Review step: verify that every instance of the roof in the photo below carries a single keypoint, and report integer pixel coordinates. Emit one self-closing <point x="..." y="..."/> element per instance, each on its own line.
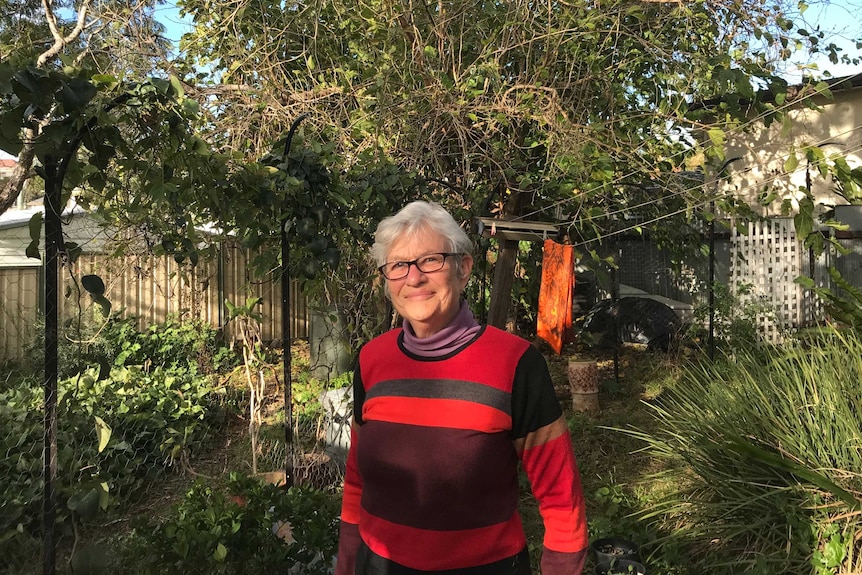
<point x="805" y="88"/>
<point x="14" y="218"/>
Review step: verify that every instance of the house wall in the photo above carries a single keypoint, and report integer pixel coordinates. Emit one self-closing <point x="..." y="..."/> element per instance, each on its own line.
<point x="763" y="152"/>
<point x="15" y="236"/>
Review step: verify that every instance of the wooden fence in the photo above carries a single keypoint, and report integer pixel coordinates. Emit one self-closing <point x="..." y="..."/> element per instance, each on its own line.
<point x="150" y="289"/>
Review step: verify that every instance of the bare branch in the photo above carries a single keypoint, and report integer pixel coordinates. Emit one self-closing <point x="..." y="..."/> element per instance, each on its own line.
<point x="61" y="41"/>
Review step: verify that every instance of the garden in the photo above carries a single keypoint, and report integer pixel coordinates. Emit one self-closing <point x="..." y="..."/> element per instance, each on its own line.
<point x="289" y="133"/>
<point x="744" y="464"/>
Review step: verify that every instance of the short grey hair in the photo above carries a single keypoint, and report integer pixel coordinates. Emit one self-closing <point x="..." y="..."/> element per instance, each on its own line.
<point x="413" y="219"/>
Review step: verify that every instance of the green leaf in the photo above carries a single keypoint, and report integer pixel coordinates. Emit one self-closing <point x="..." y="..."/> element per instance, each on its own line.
<point x="220" y="553"/>
<point x="11" y="122"/>
<point x="200" y="147"/>
<point x="104" y="303"/>
<point x="806" y="282"/>
<point x="35" y="226"/>
<point x="93" y="284"/>
<point x="804" y="225"/>
<point x="73" y="251"/>
<point x="32" y="250"/>
<point x="717" y="137"/>
<point x="232" y="310"/>
<point x="777" y="461"/>
<point x="177" y="86"/>
<point x="103" y="433"/>
<point x="84" y="503"/>
<point x="834" y="551"/>
<point x="791" y="163"/>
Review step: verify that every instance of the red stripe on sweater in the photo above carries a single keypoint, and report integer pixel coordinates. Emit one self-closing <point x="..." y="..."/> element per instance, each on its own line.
<point x="490" y="360"/>
<point x="452" y="413"/>
<point x="440" y="550"/>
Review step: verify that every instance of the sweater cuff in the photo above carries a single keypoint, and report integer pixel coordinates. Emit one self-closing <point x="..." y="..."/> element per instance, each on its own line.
<point x="348" y="544"/>
<point x="560" y="563"/>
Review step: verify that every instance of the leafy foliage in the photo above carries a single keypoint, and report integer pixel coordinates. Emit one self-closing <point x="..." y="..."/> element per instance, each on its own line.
<point x="764" y="459"/>
<point x="155" y="420"/>
<point x="249" y="526"/>
<point x="585" y="110"/>
<point x="189" y="344"/>
<point x="845" y="303"/>
<point x="174" y="343"/>
<point x="737" y="318"/>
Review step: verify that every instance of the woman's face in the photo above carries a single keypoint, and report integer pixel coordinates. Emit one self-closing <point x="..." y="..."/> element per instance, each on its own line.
<point x="429" y="301"/>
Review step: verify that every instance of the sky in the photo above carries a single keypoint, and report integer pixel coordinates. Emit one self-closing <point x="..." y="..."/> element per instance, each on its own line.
<point x="169" y="15"/>
<point x="842" y="21"/>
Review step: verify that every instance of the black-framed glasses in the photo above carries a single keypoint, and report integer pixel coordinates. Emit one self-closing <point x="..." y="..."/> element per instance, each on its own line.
<point x="426" y="264"/>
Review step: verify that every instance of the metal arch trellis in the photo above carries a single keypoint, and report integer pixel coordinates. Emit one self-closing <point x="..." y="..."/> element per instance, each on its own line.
<point x="55" y="167"/>
<point x="285" y="322"/>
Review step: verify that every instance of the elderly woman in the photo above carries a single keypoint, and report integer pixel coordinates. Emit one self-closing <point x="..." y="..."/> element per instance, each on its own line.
<point x="444" y="409"/>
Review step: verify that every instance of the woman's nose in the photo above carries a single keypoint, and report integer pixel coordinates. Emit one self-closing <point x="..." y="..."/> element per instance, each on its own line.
<point x="414" y="274"/>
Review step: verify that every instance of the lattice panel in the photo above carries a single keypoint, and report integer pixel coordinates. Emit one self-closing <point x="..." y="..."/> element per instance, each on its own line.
<point x="769" y="258"/>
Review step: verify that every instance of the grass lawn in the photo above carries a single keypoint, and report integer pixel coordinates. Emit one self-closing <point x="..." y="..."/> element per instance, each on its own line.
<point x="615" y="476"/>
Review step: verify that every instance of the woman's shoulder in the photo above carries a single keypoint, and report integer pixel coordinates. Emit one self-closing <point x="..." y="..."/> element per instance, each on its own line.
<point x="503" y="335"/>
<point x="384" y="339"/>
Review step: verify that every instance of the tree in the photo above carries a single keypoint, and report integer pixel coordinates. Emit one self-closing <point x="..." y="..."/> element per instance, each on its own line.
<point x="571" y="106"/>
<point x="107" y="37"/>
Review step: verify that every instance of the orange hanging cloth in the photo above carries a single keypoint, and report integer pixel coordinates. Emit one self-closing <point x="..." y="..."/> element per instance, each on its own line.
<point x="555" y="294"/>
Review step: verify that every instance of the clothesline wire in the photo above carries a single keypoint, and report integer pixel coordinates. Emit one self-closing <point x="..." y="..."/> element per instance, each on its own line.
<point x="702" y="187"/>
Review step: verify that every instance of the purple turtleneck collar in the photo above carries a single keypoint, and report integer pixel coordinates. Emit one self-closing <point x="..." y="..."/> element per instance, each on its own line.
<point x="462" y="329"/>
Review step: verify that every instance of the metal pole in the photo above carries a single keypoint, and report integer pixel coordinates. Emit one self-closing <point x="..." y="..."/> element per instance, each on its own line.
<point x="285" y="326"/>
<point x="53" y="243"/>
<point x="615" y="298"/>
<point x="711" y="280"/>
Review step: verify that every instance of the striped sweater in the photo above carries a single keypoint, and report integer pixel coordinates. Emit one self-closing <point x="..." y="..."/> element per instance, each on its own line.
<point x="432" y="482"/>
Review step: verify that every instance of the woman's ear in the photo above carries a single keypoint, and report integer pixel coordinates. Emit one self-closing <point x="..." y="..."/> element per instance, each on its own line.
<point x="464" y="268"/>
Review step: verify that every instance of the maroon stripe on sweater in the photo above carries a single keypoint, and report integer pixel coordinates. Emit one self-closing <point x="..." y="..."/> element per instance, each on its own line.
<point x="437" y="478"/>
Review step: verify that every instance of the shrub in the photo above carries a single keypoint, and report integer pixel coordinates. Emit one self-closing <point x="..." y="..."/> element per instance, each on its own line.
<point x="248" y="527"/>
<point x="765" y="457"/>
<point x="117" y="343"/>
<point x="156" y="418"/>
<point x="172" y="343"/>
<point x="738" y="318"/>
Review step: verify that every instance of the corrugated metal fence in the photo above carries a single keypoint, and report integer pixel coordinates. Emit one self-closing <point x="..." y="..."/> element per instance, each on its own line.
<point x="150" y="288"/>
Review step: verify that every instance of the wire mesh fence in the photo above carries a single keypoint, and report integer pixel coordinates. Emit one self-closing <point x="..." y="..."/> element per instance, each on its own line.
<point x="133" y="441"/>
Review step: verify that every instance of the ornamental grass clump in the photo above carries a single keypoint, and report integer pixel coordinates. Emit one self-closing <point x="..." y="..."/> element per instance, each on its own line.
<point x="766" y="458"/>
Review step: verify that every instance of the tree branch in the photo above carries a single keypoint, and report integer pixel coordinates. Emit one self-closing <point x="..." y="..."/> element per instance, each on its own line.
<point x="23" y="170"/>
<point x="61" y="41"/>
